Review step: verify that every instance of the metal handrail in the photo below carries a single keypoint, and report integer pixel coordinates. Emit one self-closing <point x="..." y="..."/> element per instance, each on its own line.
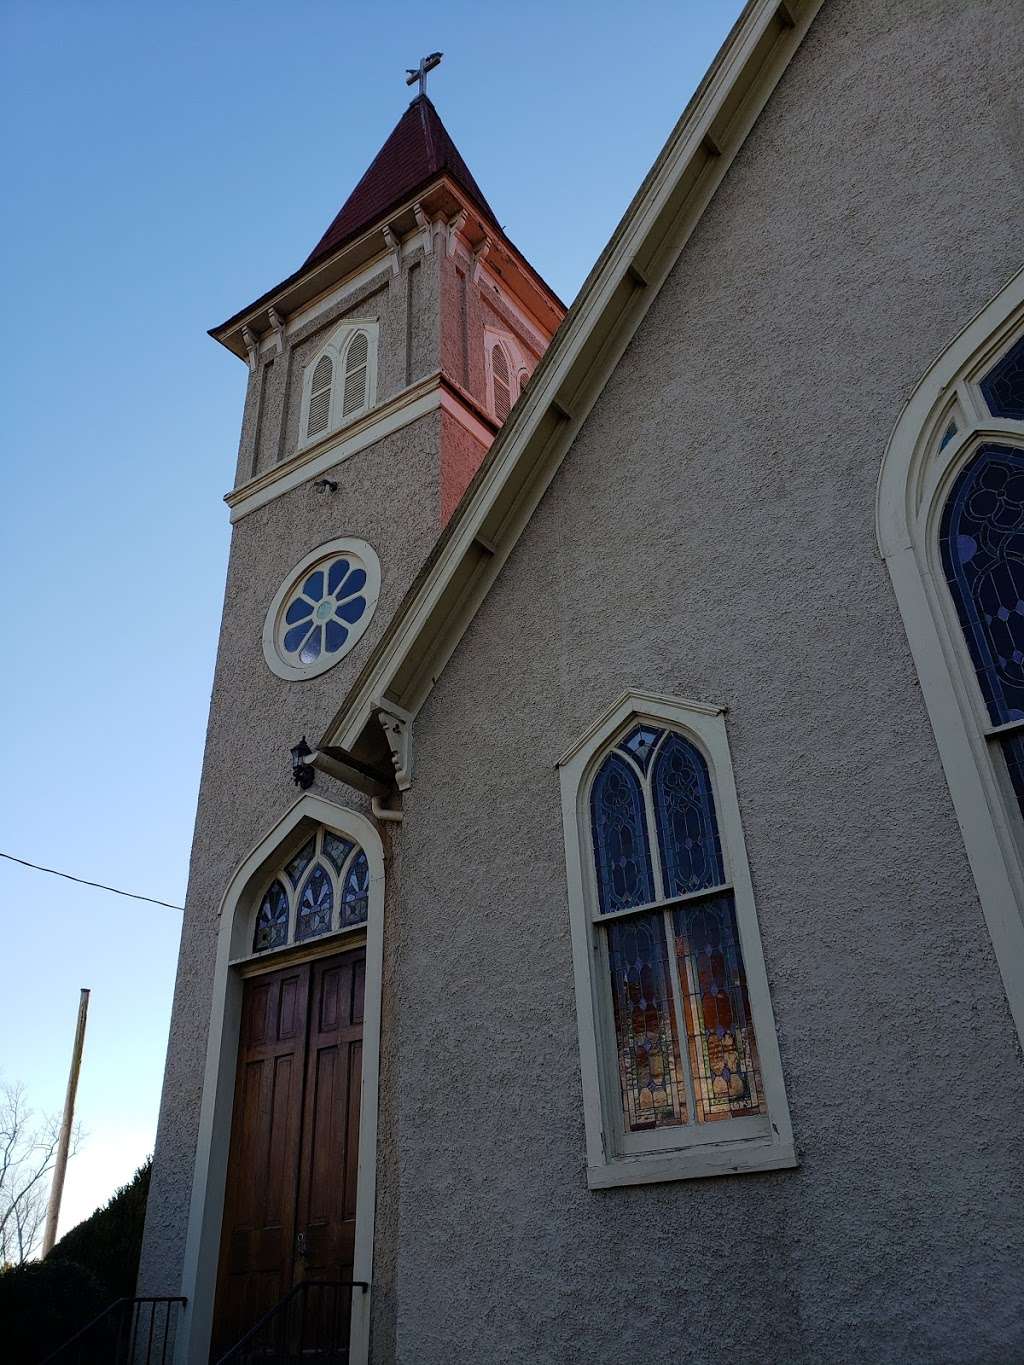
<point x="282" y="1306"/>
<point x="118" y="1306"/>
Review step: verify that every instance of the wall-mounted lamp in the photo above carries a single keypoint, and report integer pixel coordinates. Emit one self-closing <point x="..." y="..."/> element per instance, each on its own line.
<point x="302" y="772"/>
<point x="326" y="485"/>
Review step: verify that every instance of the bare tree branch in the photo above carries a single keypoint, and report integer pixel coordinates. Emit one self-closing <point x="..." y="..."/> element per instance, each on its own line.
<point x="27" y="1149"/>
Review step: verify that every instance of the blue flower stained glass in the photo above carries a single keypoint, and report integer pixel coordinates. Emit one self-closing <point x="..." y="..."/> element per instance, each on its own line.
<point x="321" y="611"/>
<point x="271" y="920"/>
<point x="621" y="851"/>
<point x="316" y="904"/>
<point x="355" y="898"/>
<point x="1003" y="386"/>
<point x="691" y="854"/>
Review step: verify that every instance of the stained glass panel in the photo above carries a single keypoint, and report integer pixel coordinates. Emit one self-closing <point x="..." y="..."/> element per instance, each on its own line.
<point x="301" y="861"/>
<point x="621" y="853"/>
<point x="337" y="849"/>
<point x="947" y="435"/>
<point x="271" y="920"/>
<point x="1013" y="752"/>
<point x="316" y="904"/>
<point x="355" y="897"/>
<point x="641" y="743"/>
<point x="647" y="1038"/>
<point x="720" y="1034"/>
<point x="982" y="546"/>
<point x="691" y="854"/>
<point x="1003" y="386"/>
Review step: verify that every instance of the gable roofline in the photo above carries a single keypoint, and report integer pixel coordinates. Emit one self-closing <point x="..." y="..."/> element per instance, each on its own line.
<point x="435" y="612"/>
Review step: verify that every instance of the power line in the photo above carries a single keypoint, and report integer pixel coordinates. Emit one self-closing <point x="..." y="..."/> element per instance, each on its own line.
<point x="83" y="881"/>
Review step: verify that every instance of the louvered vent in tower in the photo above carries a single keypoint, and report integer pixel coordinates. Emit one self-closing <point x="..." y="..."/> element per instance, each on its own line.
<point x="320" y="397"/>
<point x="502" y="392"/>
<point x="355" y="374"/>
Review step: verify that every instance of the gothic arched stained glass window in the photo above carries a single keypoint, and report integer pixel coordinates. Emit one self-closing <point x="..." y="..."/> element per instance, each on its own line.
<point x="686" y="1053"/>
<point x="981" y="541"/>
<point x="321" y="889"/>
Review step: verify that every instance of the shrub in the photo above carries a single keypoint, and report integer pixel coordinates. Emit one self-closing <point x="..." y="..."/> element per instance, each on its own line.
<point x="42" y="1303"/>
<point x="108" y="1243"/>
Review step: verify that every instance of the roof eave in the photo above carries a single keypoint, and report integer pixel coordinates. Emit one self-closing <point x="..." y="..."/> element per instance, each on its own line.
<point x="311" y="281"/>
<point x="423" y="634"/>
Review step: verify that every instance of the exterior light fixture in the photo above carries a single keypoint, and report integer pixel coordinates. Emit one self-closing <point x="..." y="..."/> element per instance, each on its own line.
<point x="302" y="772"/>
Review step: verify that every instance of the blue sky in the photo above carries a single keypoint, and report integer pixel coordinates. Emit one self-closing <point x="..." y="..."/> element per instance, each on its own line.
<point x="164" y="166"/>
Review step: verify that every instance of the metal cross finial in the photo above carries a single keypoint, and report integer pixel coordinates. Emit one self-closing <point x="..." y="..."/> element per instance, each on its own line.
<point x="420" y="74"/>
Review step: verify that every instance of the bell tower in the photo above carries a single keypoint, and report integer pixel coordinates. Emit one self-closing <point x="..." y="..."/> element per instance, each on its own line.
<point x="454" y="320"/>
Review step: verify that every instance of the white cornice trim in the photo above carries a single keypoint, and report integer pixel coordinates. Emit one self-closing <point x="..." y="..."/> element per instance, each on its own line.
<point x="423" y="635"/>
<point x="419" y="399"/>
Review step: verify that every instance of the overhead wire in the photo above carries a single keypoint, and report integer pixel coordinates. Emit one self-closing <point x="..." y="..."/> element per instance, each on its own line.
<point x="84" y="881"/>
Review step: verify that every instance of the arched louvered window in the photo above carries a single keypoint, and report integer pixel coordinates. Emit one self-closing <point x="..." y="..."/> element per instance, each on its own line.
<point x="501" y="382"/>
<point x="356" y="374"/>
<point x="319" y="412"/>
<point x="322" y="889"/>
<point x="667" y="953"/>
<point x="341" y="382"/>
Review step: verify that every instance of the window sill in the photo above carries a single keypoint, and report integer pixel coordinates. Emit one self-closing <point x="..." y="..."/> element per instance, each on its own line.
<point x="695" y="1164"/>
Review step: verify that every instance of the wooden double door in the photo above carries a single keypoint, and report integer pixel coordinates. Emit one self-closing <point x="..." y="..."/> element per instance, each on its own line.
<point x="290" y="1201"/>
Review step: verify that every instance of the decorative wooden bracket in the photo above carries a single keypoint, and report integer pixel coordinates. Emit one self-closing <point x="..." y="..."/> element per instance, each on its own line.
<point x="277" y="322"/>
<point x="252" y="346"/>
<point x="480" y="253"/>
<point x="394" y="245"/>
<point x="397" y="726"/>
<point x="455" y="226"/>
<point x="425" y="226"/>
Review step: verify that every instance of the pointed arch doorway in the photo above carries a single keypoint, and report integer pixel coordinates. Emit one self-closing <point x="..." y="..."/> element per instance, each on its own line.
<point x="284" y="1182"/>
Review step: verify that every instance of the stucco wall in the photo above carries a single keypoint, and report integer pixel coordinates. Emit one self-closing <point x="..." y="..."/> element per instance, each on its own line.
<point x="711" y="535"/>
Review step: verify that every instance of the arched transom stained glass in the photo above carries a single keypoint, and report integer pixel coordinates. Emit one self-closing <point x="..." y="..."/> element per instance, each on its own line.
<point x="322" y="888"/>
<point x="684" y="1040"/>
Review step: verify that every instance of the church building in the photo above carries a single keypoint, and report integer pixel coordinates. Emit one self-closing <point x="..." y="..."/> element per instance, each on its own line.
<point x="604" y="937"/>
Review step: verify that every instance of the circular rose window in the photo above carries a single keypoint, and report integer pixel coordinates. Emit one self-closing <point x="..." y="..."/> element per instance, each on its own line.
<point x="322" y="609"/>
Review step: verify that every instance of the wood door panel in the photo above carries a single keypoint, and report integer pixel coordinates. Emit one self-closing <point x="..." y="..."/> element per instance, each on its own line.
<point x="330" y="1131"/>
<point x="258" y="1236"/>
<point x="293" y="1157"/>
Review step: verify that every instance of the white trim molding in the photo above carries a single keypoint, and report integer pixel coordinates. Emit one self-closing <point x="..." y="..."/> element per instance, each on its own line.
<point x="361" y="556"/>
<point x="234" y="947"/>
<point x="922" y="460"/>
<point x="615" y="1156"/>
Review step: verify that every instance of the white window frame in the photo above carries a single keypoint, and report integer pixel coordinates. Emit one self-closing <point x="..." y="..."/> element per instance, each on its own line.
<point x="518" y="364"/>
<point x="695" y="1150"/>
<point x="336" y="347"/>
<point x="917" y="473"/>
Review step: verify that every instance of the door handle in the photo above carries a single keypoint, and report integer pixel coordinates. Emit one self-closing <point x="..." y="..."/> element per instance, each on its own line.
<point x="300" y="1246"/>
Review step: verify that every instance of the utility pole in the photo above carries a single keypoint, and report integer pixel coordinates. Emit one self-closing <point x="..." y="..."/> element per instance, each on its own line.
<point x="60" y="1165"/>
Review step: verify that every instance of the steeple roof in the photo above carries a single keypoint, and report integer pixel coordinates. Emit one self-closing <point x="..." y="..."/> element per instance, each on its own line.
<point x="417" y="151"/>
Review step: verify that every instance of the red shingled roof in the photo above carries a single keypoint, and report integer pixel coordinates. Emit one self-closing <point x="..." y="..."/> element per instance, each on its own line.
<point x="417" y="151"/>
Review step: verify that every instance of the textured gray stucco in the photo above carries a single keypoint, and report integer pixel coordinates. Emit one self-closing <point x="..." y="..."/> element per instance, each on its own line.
<point x="710" y="535"/>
